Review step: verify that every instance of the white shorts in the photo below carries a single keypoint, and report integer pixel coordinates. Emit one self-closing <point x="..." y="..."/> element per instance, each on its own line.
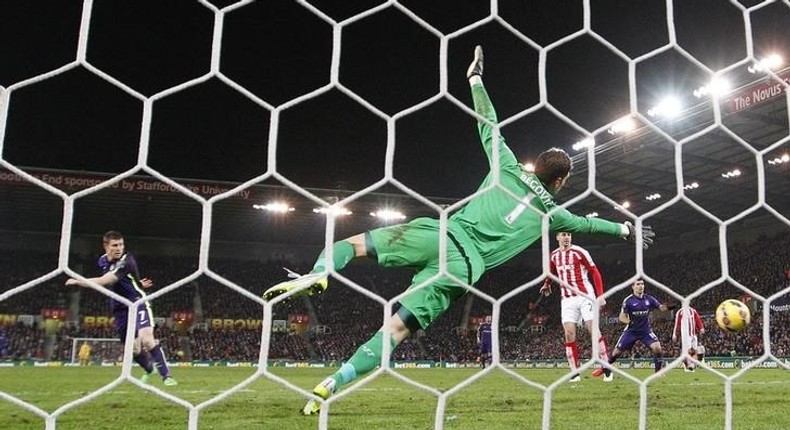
<point x="689" y="342"/>
<point x="576" y="309"/>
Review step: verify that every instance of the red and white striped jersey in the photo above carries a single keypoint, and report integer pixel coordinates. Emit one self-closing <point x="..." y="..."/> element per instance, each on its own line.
<point x="574" y="267"/>
<point x="687" y="321"/>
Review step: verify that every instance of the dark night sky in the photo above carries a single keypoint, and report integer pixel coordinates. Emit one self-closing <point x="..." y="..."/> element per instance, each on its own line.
<point x="280" y="50"/>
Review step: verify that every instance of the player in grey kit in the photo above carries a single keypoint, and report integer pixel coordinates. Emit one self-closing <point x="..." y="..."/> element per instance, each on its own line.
<point x="635" y="313"/>
<point x="120" y="274"/>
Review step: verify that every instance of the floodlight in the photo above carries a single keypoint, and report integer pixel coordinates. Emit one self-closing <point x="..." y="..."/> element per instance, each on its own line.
<point x="718" y="86"/>
<point x="770" y="62"/>
<point x="669" y="107"/>
<point x="584" y="143"/>
<point x="779" y="160"/>
<point x="277" y="207"/>
<point x="333" y="210"/>
<point x="388" y="214"/>
<point x="623" y="125"/>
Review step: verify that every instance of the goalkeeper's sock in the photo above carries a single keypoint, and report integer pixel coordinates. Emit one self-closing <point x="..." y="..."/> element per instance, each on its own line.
<point x="161" y="363"/>
<point x="343" y="253"/>
<point x="144" y="360"/>
<point x="365" y="359"/>
<point x="658" y="361"/>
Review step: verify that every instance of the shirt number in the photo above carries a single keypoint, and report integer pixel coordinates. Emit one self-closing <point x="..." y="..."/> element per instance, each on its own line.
<point x="518" y="210"/>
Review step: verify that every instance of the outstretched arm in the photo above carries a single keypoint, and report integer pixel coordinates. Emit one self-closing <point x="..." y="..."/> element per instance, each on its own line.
<point x="108" y="278"/>
<point x="563" y="220"/>
<point x="485" y="109"/>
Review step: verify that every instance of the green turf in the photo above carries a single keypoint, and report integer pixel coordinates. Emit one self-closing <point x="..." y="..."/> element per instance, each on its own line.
<point x="495" y="401"/>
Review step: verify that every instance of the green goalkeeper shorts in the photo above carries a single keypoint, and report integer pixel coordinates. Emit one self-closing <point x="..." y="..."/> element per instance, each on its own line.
<point x="416" y="245"/>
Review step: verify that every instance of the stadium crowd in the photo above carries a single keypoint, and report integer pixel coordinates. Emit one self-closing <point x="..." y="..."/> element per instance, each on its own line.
<point x="342" y="318"/>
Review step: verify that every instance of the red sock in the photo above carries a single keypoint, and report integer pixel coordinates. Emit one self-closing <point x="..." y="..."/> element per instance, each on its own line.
<point x="572" y="352"/>
<point x="603" y="352"/>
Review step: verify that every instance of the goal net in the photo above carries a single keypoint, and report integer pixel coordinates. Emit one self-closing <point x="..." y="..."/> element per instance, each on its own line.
<point x="342" y="104"/>
<point x="101" y="350"/>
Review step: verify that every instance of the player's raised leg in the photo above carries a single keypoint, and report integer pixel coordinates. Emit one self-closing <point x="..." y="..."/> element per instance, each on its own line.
<point x="316" y="281"/>
<point x="365" y="359"/>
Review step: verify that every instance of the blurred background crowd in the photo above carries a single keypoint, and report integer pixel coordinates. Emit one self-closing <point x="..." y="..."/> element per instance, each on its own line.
<point x="208" y="320"/>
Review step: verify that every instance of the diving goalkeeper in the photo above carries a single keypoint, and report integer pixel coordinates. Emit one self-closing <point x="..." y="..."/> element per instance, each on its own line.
<point x="491" y="229"/>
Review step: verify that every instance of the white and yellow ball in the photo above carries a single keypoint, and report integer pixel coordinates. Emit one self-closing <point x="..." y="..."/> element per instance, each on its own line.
<point x="733" y="315"/>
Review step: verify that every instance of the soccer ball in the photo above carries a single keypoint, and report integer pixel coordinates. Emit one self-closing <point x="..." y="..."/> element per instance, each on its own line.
<point x="733" y="316"/>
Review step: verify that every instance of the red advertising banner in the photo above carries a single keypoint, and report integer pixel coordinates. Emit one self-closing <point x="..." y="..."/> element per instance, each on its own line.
<point x="185" y="316"/>
<point x="68" y="181"/>
<point x="298" y="319"/>
<point x="761" y="92"/>
<point x="54" y="313"/>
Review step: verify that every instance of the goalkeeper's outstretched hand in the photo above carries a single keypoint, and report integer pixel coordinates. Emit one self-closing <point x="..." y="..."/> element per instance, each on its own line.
<point x="647" y="234"/>
<point x="476" y="68"/>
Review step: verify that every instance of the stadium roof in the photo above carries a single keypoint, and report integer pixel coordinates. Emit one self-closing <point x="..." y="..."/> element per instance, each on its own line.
<point x="628" y="168"/>
<point x="83" y="119"/>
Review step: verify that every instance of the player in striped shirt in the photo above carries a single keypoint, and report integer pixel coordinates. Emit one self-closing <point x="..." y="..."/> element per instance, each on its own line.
<point x="688" y="325"/>
<point x="574" y="266"/>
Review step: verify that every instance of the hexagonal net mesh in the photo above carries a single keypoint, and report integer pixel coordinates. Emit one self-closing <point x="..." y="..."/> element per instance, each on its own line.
<point x="546" y="61"/>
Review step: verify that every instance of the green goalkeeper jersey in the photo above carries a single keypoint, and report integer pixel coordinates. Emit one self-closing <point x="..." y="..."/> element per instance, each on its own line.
<point x="502" y="225"/>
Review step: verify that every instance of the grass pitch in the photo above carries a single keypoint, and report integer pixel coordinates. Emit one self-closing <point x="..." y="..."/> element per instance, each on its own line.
<point x="495" y="401"/>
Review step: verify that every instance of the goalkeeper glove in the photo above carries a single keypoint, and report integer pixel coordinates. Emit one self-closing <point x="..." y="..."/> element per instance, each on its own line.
<point x="647" y="234"/>
<point x="476" y="68"/>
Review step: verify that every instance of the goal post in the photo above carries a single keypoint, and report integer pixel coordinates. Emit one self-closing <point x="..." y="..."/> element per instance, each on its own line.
<point x="105" y="348"/>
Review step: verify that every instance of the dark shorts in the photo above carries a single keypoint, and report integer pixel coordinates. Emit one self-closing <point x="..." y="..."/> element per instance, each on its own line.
<point x="143" y="318"/>
<point x="485" y="347"/>
<point x="416" y="245"/>
<point x="628" y="339"/>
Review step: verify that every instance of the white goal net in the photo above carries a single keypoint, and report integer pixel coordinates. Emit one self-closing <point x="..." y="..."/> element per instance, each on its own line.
<point x="335" y="106"/>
